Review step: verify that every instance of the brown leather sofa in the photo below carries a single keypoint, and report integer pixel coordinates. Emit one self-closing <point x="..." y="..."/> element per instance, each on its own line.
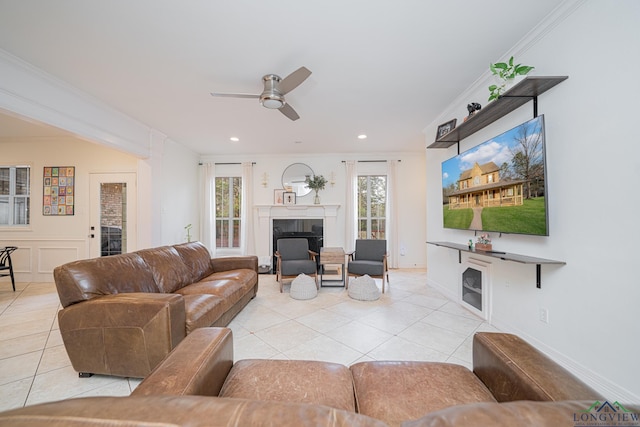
<point x="123" y="314"/>
<point x="198" y="384"/>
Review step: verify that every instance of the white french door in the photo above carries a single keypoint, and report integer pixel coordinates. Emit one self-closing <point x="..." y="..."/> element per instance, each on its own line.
<point x="112" y="213"/>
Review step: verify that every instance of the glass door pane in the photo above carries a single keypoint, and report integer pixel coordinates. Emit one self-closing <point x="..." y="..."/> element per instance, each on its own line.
<point x="113" y="218"/>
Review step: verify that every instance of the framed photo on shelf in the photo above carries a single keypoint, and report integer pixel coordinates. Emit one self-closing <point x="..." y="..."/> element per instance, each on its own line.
<point x="289" y="198"/>
<point x="278" y="196"/>
<point x="445" y="128"/>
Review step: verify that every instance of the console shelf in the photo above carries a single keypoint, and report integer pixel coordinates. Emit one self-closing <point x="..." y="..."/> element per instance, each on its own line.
<point x="505" y="256"/>
<point x="523" y="92"/>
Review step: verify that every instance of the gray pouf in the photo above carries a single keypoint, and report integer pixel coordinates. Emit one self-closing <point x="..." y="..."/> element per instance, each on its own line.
<point x="364" y="288"/>
<point x="303" y="287"/>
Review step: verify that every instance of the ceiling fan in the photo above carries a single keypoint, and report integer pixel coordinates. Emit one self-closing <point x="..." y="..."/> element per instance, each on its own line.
<point x="275" y="88"/>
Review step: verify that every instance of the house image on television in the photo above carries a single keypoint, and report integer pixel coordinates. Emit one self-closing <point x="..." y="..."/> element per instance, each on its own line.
<point x="480" y="186"/>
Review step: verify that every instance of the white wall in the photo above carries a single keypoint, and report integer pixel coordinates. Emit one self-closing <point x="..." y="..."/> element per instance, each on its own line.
<point x="53" y="240"/>
<point x="593" y="172"/>
<point x="411" y="172"/>
<point x="178" y="194"/>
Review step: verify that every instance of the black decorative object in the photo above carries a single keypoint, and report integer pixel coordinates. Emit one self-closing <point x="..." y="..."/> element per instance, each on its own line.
<point x="473" y="107"/>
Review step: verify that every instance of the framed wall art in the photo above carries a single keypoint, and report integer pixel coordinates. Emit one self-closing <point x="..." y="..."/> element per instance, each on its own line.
<point x="289" y="198"/>
<point x="278" y="196"/>
<point x="58" y="190"/>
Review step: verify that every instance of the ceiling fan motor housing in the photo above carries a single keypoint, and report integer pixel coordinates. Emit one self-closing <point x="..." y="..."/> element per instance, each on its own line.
<point x="271" y="96"/>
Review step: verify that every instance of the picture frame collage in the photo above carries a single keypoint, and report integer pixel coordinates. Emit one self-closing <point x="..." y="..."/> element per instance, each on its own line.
<point x="58" y="186"/>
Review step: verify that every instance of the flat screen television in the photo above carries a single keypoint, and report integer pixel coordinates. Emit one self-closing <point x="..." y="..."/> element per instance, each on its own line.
<point x="499" y="185"/>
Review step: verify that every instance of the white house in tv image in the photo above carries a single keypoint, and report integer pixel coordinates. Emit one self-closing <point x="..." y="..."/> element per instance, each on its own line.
<point x="499" y="185"/>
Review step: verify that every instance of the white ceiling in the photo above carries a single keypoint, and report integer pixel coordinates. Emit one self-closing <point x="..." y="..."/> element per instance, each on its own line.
<point x="381" y="67"/>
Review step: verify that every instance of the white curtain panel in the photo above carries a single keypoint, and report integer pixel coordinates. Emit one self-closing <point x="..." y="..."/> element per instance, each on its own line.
<point x="247" y="243"/>
<point x="392" y="214"/>
<point x="208" y="208"/>
<point x="351" y="205"/>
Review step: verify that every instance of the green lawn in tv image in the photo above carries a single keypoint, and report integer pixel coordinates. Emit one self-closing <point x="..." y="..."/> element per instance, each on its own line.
<point x="530" y="218"/>
<point x="499" y="185"/>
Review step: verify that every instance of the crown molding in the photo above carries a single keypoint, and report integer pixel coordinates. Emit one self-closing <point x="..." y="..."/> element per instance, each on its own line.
<point x="32" y="93"/>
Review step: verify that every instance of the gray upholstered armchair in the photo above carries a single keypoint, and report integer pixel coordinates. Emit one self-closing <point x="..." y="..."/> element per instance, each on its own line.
<point x="370" y="257"/>
<point x="294" y="258"/>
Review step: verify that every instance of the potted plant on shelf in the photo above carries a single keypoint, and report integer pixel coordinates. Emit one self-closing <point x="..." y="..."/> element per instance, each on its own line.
<point x="484" y="243"/>
<point x="316" y="183"/>
<point x="506" y="73"/>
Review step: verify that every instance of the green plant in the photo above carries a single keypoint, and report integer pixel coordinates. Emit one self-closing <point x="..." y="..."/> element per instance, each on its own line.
<point x="505" y="71"/>
<point x="316" y="183"/>
<point x="484" y="239"/>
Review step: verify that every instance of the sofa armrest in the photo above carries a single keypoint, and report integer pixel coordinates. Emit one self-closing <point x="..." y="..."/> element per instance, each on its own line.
<point x="125" y="334"/>
<point x="199" y="365"/>
<point x="512" y="369"/>
<point x="234" y="263"/>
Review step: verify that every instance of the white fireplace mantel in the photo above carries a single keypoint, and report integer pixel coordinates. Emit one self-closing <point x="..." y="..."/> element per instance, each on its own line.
<point x="266" y="214"/>
<point x="297" y="211"/>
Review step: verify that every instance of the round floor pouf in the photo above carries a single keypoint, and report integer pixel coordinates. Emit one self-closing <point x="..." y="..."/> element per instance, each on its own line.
<point x="303" y="287"/>
<point x="364" y="288"/>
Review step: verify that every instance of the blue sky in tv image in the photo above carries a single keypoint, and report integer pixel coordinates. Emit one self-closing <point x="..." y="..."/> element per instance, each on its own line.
<point x="499" y="150"/>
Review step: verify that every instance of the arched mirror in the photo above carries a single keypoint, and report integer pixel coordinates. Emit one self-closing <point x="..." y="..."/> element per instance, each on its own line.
<point x="294" y="176"/>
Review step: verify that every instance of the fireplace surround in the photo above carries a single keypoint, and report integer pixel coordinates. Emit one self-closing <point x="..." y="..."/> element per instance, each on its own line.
<point x="303" y="216"/>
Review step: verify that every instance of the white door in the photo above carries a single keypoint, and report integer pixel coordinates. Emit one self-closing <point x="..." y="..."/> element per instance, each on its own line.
<point x="112" y="216"/>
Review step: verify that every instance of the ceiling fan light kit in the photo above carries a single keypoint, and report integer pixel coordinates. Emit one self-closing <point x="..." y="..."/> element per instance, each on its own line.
<point x="275" y="88"/>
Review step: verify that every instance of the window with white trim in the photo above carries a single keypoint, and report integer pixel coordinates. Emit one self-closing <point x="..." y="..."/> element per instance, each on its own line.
<point x="372" y="206"/>
<point x="15" y="200"/>
<point x="228" y="211"/>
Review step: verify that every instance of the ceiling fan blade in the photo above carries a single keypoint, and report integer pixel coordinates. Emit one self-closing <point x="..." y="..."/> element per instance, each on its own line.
<point x="235" y="95"/>
<point x="293" y="80"/>
<point x="288" y="111"/>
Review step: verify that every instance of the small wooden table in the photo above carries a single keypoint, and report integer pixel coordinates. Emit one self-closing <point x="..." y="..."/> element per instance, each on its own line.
<point x="331" y="256"/>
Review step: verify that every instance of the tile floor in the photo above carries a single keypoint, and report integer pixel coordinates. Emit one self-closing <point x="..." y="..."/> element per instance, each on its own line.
<point x="409" y="322"/>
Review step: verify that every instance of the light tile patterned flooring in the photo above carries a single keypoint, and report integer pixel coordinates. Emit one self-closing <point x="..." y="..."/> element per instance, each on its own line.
<point x="409" y="322"/>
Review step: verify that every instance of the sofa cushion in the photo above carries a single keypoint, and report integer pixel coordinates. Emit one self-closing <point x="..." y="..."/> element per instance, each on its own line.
<point x="400" y="391"/>
<point x="231" y="286"/>
<point x="169" y="271"/>
<point x="526" y="414"/>
<point x="82" y="280"/>
<point x="300" y="381"/>
<point x="197" y="258"/>
<point x="191" y="411"/>
<point x="202" y="310"/>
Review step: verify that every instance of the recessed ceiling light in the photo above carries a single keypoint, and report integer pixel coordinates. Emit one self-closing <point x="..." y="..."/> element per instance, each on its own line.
<point x="362" y="136"/>
<point x="234" y="139"/>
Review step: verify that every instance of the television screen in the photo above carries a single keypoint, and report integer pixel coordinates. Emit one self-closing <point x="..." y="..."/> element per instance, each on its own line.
<point x="499" y="185"/>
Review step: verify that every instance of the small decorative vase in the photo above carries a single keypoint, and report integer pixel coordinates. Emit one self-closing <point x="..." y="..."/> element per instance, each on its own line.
<point x="316" y="200"/>
<point x="484" y="246"/>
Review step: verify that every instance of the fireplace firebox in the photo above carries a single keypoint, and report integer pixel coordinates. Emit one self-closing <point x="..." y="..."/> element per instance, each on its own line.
<point x="475" y="287"/>
<point x="311" y="229"/>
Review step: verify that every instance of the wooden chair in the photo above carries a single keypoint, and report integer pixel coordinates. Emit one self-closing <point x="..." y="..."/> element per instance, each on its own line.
<point x="5" y="264"/>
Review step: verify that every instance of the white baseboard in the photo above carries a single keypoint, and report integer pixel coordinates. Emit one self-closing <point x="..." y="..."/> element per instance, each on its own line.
<point x="609" y="389"/>
<point x="453" y="296"/>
